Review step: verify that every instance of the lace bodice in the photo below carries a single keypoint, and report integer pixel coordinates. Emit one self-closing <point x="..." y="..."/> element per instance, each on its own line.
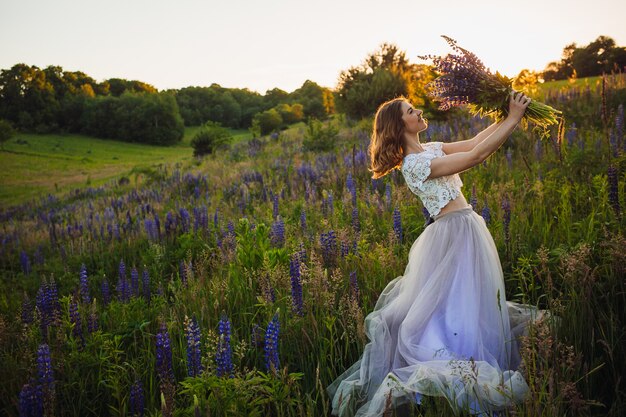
<point x="435" y="193"/>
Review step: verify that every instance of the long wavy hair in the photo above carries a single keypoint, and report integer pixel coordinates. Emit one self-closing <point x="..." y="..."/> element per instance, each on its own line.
<point x="386" y="148"/>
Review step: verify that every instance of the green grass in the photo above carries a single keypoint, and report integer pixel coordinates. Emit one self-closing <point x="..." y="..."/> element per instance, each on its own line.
<point x="36" y="165"/>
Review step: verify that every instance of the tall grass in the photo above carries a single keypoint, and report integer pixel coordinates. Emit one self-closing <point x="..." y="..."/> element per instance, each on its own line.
<point x="562" y="251"/>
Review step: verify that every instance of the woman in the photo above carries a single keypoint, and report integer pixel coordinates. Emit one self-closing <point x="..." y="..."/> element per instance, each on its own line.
<point x="444" y="328"/>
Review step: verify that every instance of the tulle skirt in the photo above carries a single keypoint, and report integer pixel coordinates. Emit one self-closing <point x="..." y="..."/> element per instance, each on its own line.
<point x="444" y="329"/>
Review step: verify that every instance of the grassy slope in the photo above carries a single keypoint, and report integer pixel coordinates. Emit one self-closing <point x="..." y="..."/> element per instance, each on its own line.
<point x="35" y="165"/>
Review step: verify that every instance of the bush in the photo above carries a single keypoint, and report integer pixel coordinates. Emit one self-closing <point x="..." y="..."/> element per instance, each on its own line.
<point x="211" y="137"/>
<point x="320" y="137"/>
<point x="6" y="131"/>
<point x="268" y="121"/>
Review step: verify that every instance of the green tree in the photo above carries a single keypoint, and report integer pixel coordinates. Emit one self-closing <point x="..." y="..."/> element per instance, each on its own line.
<point x="211" y="137"/>
<point x="385" y="74"/>
<point x="268" y="121"/>
<point x="6" y="132"/>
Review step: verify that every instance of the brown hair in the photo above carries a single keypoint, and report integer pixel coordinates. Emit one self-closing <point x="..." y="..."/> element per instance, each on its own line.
<point x="387" y="141"/>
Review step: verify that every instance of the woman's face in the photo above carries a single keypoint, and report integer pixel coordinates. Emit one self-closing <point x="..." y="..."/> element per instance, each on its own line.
<point x="413" y="120"/>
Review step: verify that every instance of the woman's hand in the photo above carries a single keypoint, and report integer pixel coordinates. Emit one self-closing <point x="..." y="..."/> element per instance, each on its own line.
<point x="517" y="105"/>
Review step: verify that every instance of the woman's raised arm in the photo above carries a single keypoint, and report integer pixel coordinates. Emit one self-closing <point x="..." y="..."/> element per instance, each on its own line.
<point x="469" y="144"/>
<point x="461" y="161"/>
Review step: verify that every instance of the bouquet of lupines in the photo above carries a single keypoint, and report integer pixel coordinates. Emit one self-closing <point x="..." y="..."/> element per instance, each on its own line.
<point x="465" y="80"/>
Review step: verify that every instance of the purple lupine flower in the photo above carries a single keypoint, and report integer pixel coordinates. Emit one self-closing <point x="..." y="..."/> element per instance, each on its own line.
<point x="157" y="226"/>
<point x="27" y="311"/>
<point x="486" y="213"/>
<point x="46" y="378"/>
<point x="356" y="224"/>
<point x="31" y="400"/>
<point x="170" y="223"/>
<point x="274" y="206"/>
<point x="351" y="185"/>
<point x="84" y="285"/>
<point x="224" y="354"/>
<point x="296" y="285"/>
<point x="271" y="345"/>
<point x="473" y="200"/>
<point x="25" y="263"/>
<point x="164" y="356"/>
<point x="150" y="229"/>
<point x="137" y="402"/>
<point x="354" y="287"/>
<point x="506" y="219"/>
<point x="426" y="214"/>
<point x="182" y="268"/>
<point x="106" y="292"/>
<point x="255" y="335"/>
<point x="192" y="334"/>
<point x="329" y="247"/>
<point x="397" y="223"/>
<point x="277" y="233"/>
<point x="303" y="220"/>
<point x="345" y="249"/>
<point x="134" y="282"/>
<point x="116" y="232"/>
<point x="145" y="281"/>
<point x="185" y="220"/>
<point x="613" y="189"/>
<point x="77" y="330"/>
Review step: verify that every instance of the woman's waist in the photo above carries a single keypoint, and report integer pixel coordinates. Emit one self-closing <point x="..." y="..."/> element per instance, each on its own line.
<point x="459" y="203"/>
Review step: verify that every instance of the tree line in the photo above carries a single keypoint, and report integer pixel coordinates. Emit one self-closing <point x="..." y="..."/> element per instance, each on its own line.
<point x="54" y="100"/>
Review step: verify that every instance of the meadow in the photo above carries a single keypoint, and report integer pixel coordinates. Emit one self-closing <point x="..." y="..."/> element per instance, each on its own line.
<point x="237" y="284"/>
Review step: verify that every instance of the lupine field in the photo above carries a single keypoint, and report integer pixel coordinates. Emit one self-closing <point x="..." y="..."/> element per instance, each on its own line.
<point x="238" y="285"/>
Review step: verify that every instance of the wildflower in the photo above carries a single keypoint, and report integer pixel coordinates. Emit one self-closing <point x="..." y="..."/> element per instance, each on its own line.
<point x="145" y="278"/>
<point x="134" y="281"/>
<point x="397" y="224"/>
<point x="25" y="263"/>
<point x="355" y="220"/>
<point x="46" y="378"/>
<point x="224" y="354"/>
<point x="296" y="285"/>
<point x="106" y="292"/>
<point x="137" y="403"/>
<point x="192" y="334"/>
<point x="84" y="285"/>
<point x="473" y="201"/>
<point x="275" y="206"/>
<point x="351" y="186"/>
<point x="465" y="80"/>
<point x="277" y="233"/>
<point x="27" y="311"/>
<point x="570" y="135"/>
<point x="329" y="247"/>
<point x="486" y="213"/>
<point x="182" y="268"/>
<point x="184" y="219"/>
<point x="303" y="220"/>
<point x="77" y="330"/>
<point x="164" y="356"/>
<point x="613" y="189"/>
<point x="271" y="344"/>
<point x="31" y="400"/>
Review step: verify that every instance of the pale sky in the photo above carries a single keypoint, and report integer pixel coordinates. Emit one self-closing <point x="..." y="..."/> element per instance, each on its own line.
<point x="263" y="44"/>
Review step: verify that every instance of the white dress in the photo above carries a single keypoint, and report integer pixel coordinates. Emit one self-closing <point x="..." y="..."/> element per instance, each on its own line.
<point x="443" y="328"/>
